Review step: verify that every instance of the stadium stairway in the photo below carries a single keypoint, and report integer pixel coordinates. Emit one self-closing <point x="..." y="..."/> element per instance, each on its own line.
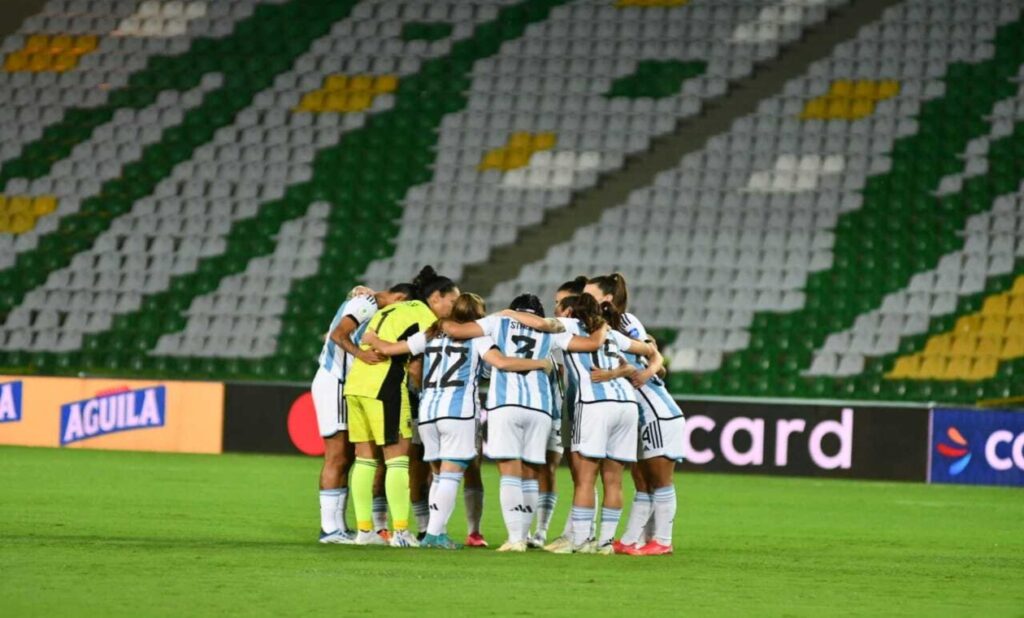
<point x="689" y="135"/>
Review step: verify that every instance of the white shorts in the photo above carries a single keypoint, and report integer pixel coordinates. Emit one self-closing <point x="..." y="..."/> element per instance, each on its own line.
<point x="517" y="433"/>
<point x="329" y="402"/>
<point x="449" y="438"/>
<point x="555" y="437"/>
<point x="606" y="430"/>
<point x="662" y="437"/>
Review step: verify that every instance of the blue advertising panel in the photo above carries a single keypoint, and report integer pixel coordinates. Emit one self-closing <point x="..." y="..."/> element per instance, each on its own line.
<point x="976" y="447"/>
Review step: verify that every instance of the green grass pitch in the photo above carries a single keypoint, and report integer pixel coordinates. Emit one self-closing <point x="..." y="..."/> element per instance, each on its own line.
<point x="104" y="533"/>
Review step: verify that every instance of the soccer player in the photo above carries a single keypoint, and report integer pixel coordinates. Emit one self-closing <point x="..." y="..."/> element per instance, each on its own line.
<point x="336" y="357"/>
<point x="604" y="433"/>
<point x="379" y="409"/>
<point x="560" y="430"/>
<point x="519" y="407"/>
<point x="661" y="433"/>
<point x="449" y="404"/>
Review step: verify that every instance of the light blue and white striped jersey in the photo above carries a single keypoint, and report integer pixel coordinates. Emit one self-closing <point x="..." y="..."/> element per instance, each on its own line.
<point x="451" y="370"/>
<point x="333" y="359"/>
<point x="531" y="390"/>
<point x="654" y="396"/>
<point x="580" y="364"/>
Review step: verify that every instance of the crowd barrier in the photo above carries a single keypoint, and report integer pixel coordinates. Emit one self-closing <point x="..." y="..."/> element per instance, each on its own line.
<point x="793" y="438"/>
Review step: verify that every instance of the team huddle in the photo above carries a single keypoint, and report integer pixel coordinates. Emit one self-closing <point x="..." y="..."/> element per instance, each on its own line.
<point x="398" y="385"/>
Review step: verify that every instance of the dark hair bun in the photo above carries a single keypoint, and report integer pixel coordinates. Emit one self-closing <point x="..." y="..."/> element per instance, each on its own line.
<point x="426" y="275"/>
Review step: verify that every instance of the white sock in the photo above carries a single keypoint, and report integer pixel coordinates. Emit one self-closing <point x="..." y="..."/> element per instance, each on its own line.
<point x="648" y="532"/>
<point x="609" y="523"/>
<point x="567" y="529"/>
<point x="593" y="522"/>
<point x="639" y="514"/>
<point x="380" y="512"/>
<point x="582" y="519"/>
<point x="511" y="498"/>
<point x="664" y="513"/>
<point x="421" y="509"/>
<point x="545" y="509"/>
<point x="474" y="499"/>
<point x="329" y="499"/>
<point x="442" y="501"/>
<point x="531" y="495"/>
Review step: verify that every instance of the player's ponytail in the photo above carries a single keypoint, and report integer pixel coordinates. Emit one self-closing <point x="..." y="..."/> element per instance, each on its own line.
<point x="611" y="315"/>
<point x="588" y="312"/>
<point x="613" y="285"/>
<point x="428" y="281"/>
<point x="575" y="286"/>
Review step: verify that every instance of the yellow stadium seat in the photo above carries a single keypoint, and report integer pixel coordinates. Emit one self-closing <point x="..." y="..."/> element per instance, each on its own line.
<point x="839" y="108"/>
<point x="386" y="83"/>
<point x="39" y="62"/>
<point x="968" y="324"/>
<point x="517" y="157"/>
<point x="993" y="325"/>
<point x="86" y="43"/>
<point x="64" y="62"/>
<point x="841" y="88"/>
<point x="334" y="101"/>
<point x="989" y="346"/>
<point x="336" y="82"/>
<point x="519" y="139"/>
<point x="995" y="305"/>
<point x="61" y="43"/>
<point x="816" y="108"/>
<point x="865" y="89"/>
<point x="360" y="83"/>
<point x="963" y="345"/>
<point x="543" y="141"/>
<point x="983" y="369"/>
<point x="495" y="159"/>
<point x="1015" y="327"/>
<point x="933" y="368"/>
<point x="1016" y="305"/>
<point x="861" y="108"/>
<point x="958" y="368"/>
<point x="938" y="346"/>
<point x="1013" y="347"/>
<point x="888" y="88"/>
<point x="905" y="367"/>
<point x="16" y="61"/>
<point x="37" y="43"/>
<point x="1018" y="286"/>
<point x="19" y="204"/>
<point x="44" y="205"/>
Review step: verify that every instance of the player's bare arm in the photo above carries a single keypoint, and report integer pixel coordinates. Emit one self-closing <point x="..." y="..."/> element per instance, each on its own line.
<point x="385" y="348"/>
<point x="624" y="370"/>
<point x="508" y="363"/>
<point x="342" y="336"/>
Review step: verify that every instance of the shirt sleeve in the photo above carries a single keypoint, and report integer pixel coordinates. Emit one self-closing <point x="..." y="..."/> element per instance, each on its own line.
<point x="635" y="329"/>
<point x="417" y="344"/>
<point x="489" y="324"/>
<point x="561" y="340"/>
<point x="482" y="345"/>
<point x="361" y="308"/>
<point x="620" y="340"/>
